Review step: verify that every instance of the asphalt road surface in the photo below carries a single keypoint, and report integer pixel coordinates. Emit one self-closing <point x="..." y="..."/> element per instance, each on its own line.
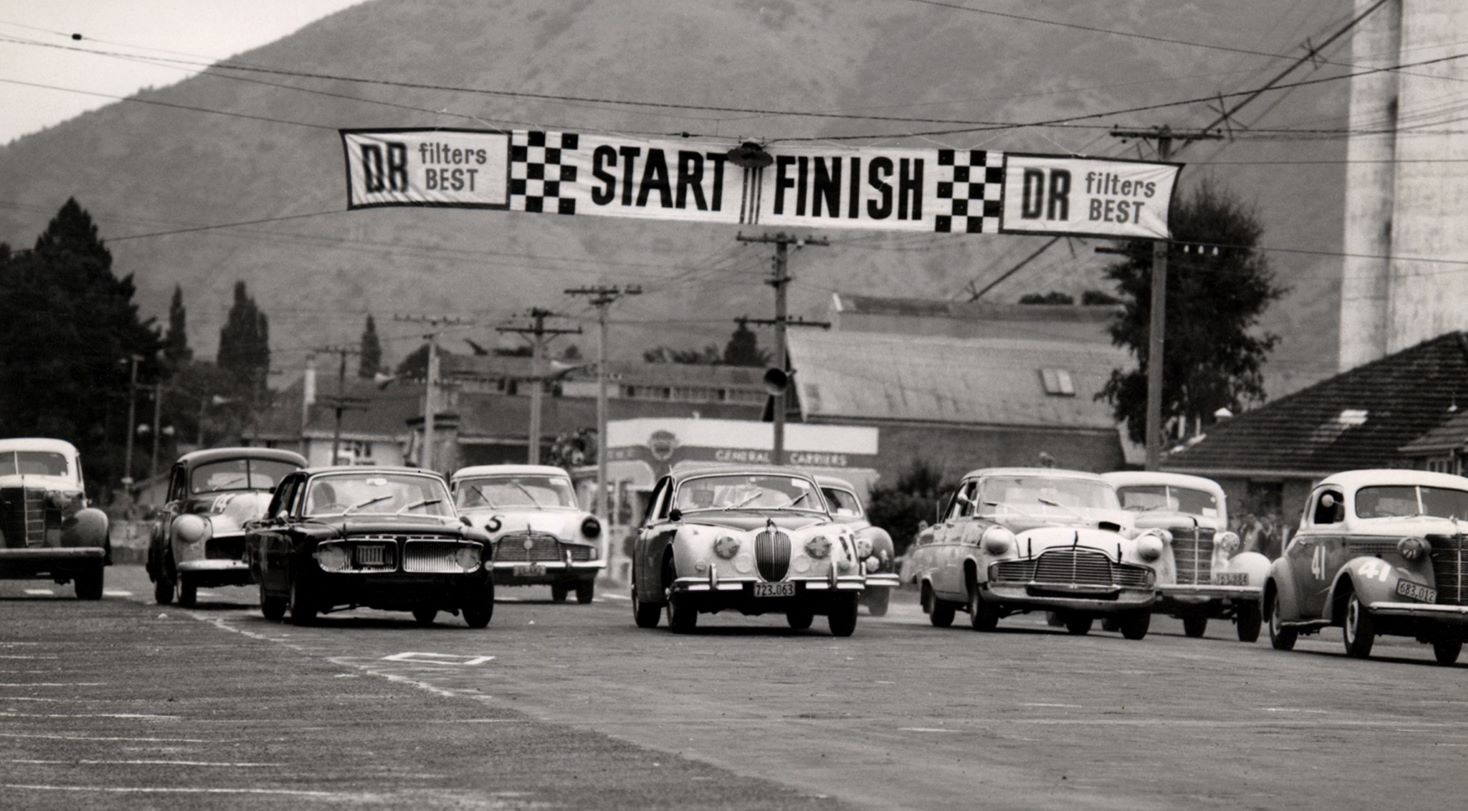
<point x="123" y="702"/>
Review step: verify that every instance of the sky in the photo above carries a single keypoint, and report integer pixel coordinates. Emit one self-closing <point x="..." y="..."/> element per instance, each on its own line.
<point x="146" y="30"/>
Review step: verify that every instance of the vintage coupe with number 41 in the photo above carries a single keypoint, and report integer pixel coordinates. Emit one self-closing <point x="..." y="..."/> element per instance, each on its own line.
<point x="385" y="538"/>
<point x="1378" y="552"/>
<point x="757" y="541"/>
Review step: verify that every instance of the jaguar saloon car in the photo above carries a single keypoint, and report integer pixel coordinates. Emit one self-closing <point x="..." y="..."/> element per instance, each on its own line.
<point x="752" y="540"/>
<point x="1203" y="574"/>
<point x="873" y="544"/>
<point x="1015" y="540"/>
<point x="541" y="536"/>
<point x="47" y="529"/>
<point x="198" y="537"/>
<point x="1379" y="552"/>
<point x="340" y="538"/>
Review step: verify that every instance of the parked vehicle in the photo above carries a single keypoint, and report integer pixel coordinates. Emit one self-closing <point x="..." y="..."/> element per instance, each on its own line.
<point x="873" y="544"/>
<point x="388" y="538"/>
<point x="753" y="540"/>
<point x="541" y="536"/>
<point x="198" y="536"/>
<point x="47" y="528"/>
<point x="1015" y="540"/>
<point x="1379" y="552"/>
<point x="1202" y="574"/>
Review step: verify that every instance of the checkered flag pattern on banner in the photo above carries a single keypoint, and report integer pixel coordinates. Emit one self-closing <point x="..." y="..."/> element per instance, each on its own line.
<point x="536" y="173"/>
<point x="972" y="181"/>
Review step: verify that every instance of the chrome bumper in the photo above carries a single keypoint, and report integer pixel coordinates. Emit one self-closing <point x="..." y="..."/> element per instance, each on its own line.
<point x="883" y="580"/>
<point x="552" y="565"/>
<point x="212" y="565"/>
<point x="1452" y="613"/>
<point x="705" y="585"/>
<point x="1080" y="598"/>
<point x="1210" y="592"/>
<point x="66" y="553"/>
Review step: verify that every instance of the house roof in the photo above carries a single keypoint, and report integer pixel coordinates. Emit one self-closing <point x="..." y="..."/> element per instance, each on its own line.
<point x="971" y="319"/>
<point x="1360" y="418"/>
<point x="507" y="417"/>
<point x="1450" y="436"/>
<point x="976" y="310"/>
<point x="384" y="413"/>
<point x="969" y="381"/>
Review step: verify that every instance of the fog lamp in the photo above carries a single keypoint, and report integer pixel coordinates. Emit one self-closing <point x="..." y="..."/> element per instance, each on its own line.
<point x="190" y="528"/>
<point x="863" y="547"/>
<point x="1412" y="548"/>
<point x="843" y="565"/>
<point x="873" y="563"/>
<point x="333" y="558"/>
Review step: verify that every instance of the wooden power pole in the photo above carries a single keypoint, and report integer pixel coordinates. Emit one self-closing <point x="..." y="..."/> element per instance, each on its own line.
<point x="602" y="297"/>
<point x="541" y="336"/>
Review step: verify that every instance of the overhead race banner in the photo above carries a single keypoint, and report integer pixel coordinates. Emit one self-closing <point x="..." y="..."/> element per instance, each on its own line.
<point x="960" y="191"/>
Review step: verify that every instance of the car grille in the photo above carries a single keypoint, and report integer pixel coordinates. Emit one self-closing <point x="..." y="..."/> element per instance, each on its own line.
<point x="229" y="548"/>
<point x="26" y="519"/>
<point x="1192" y="548"/>
<point x="1072" y="567"/>
<point x="1448" y="564"/>
<point x="772" y="554"/>
<point x="543" y="547"/>
<point x="431" y="557"/>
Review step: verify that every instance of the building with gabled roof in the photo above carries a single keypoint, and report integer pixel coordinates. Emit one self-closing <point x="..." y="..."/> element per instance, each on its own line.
<point x="848" y="312"/>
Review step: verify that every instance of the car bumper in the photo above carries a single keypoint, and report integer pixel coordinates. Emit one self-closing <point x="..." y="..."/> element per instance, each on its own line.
<point x="1062" y="597"/>
<point x="817" y="594"/>
<point x="1201" y="593"/>
<point x="1454" y="614"/>
<point x="530" y="573"/>
<point x="397" y="590"/>
<point x="883" y="580"/>
<point x="50" y="561"/>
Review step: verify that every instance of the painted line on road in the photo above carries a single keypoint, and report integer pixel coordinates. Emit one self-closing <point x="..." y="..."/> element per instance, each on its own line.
<point x="131" y="715"/>
<point x="28" y="656"/>
<point x="55" y="684"/>
<point x="224" y="764"/>
<point x="614" y="596"/>
<point x="453" y="659"/>
<point x="47" y="737"/>
<point x="179" y="790"/>
<point x="1295" y="709"/>
<point x="1062" y="706"/>
<point x="116" y="593"/>
<point x="37" y="592"/>
<point x="928" y="729"/>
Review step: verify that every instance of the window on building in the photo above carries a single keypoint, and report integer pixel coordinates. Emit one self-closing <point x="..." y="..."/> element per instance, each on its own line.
<point x="1058" y="382"/>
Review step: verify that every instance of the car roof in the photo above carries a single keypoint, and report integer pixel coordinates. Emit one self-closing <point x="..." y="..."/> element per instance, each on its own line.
<point x="1055" y="472"/>
<point x="318" y="471"/>
<point x="509" y="470"/>
<point x="1355" y="479"/>
<point x="215" y="454"/>
<point x="37" y="444"/>
<point x="834" y="481"/>
<point x="739" y="470"/>
<point x="1122" y="478"/>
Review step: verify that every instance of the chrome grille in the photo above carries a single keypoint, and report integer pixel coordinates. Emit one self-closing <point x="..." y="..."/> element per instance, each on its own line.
<point x="1192" y="548"/>
<point x="772" y="554"/>
<point x="1372" y="547"/>
<point x="1447" y="567"/>
<point x="228" y="548"/>
<point x="1076" y="567"/>
<point x="372" y="556"/>
<point x="431" y="557"/>
<point x="25" y="518"/>
<point x="543" y="547"/>
<point x="1020" y="570"/>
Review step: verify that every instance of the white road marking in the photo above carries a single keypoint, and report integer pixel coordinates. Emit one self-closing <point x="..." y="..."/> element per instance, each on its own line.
<point x="29" y="656"/>
<point x="1296" y="709"/>
<point x="453" y="659"/>
<point x="55" y="684"/>
<point x="140" y="716"/>
<point x="99" y="738"/>
<point x="615" y="596"/>
<point x="1064" y="706"/>
<point x="38" y="591"/>
<point x="224" y="764"/>
<point x="178" y="790"/>
<point x="925" y="729"/>
<point x="117" y="593"/>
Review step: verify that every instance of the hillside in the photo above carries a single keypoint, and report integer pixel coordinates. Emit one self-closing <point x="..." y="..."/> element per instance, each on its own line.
<point x="142" y="169"/>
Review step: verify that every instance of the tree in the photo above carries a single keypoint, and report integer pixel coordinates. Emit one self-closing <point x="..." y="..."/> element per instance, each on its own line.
<point x="708" y="356"/>
<point x="176" y="342"/>
<point x="1214" y="354"/>
<point x="743" y="348"/>
<point x="1053" y="297"/>
<point x="68" y="332"/>
<point x="415" y="365"/>
<point x="371" y="352"/>
<point x="910" y="503"/>
<point x="244" y="345"/>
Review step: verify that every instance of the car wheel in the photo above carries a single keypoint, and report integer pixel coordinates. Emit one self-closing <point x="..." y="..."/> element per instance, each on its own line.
<point x="88" y="584"/>
<point x="272" y="607"/>
<point x="1360" y="630"/>
<point x="1280" y="637"/>
<point x="303" y="611"/>
<point x="1195" y="626"/>
<point x="480" y="611"/>
<point x="943" y="613"/>
<point x="800" y="619"/>
<point x="162" y="590"/>
<point x="1248" y="620"/>
<point x="646" y="615"/>
<point x="877" y="601"/>
<point x="188" y="592"/>
<point x="558" y="593"/>
<point x="682" y="617"/>
<point x="1110" y="623"/>
<point x="1446" y="650"/>
<point x="1078" y="624"/>
<point x="425" y="616"/>
<point x="1134" y="624"/>
<point x="842" y="617"/>
<point x="585" y="592"/>
<point x="980" y="616"/>
<point x="1054" y="620"/>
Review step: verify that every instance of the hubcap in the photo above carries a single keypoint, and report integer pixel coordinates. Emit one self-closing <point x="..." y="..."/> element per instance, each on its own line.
<point x="1352" y="617"/>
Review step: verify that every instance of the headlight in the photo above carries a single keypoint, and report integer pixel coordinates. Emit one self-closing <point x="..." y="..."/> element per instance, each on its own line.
<point x="590" y="527"/>
<point x="59" y="499"/>
<point x="1229" y="542"/>
<point x="1412" y="548"/>
<point x="863" y="547"/>
<point x="818" y="547"/>
<point x="333" y="558"/>
<point x="726" y="547"/>
<point x="467" y="557"/>
<point x="1149" y="547"/>
<point x="843" y="565"/>
<point x="191" y="528"/>
<point x="873" y="563"/>
<point x="998" y="540"/>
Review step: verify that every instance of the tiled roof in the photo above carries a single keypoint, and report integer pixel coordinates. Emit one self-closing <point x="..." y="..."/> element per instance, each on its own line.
<point x="385" y="415"/>
<point x="976" y="310"/>
<point x="966" y="381"/>
<point x="1451" y="435"/>
<point x="1359" y="418"/>
<point x="484" y="416"/>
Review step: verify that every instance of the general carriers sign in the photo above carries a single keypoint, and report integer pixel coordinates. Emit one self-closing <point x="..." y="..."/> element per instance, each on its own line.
<point x="967" y="191"/>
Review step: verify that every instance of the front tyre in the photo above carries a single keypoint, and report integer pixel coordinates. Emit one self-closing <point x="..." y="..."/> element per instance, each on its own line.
<point x="188" y="592"/>
<point x="1078" y="624"/>
<point x="1446" y="651"/>
<point x="1280" y="637"/>
<point x="303" y="610"/>
<point x="1134" y="624"/>
<point x="478" y="613"/>
<point x="1249" y="620"/>
<point x="163" y="587"/>
<point x="1359" y="630"/>
<point x="646" y="615"/>
<point x="799" y="619"/>
<point x="980" y="616"/>
<point x="877" y="601"/>
<point x="272" y="607"/>
<point x="585" y="592"/>
<point x="558" y="593"/>
<point x="1195" y="627"/>
<point x="88" y="584"/>
<point x="425" y="616"/>
<point x="682" y="616"/>
<point x="842" y="618"/>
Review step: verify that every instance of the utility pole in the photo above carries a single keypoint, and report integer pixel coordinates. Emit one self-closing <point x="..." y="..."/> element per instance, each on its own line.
<point x="437" y="324"/>
<point x="341" y="402"/>
<point x="778" y="280"/>
<point x="537" y="377"/>
<point x="132" y="406"/>
<point x="157" y="428"/>
<point x="602" y="297"/>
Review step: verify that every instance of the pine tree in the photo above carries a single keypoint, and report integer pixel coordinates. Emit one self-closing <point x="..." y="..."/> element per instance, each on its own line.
<point x="244" y="344"/>
<point x="176" y="343"/>
<point x="743" y="348"/>
<point x="371" y="352"/>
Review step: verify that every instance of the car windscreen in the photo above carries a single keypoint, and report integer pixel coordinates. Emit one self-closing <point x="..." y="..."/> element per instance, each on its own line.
<point x="749" y="492"/>
<point x="33" y="463"/>
<point x="1145" y="497"/>
<point x="377" y="494"/>
<point x="238" y="474"/>
<point x="844" y="503"/>
<point x="1405" y="500"/>
<point x="1034" y="494"/>
<point x="518" y="492"/>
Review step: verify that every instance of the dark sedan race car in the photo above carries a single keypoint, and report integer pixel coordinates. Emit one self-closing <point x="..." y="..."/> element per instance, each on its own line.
<point x="386" y="538"/>
<point x="754" y="541"/>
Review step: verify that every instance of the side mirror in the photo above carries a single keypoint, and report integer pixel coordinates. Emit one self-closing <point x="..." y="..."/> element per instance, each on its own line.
<point x="675" y="514"/>
<point x="280" y="517"/>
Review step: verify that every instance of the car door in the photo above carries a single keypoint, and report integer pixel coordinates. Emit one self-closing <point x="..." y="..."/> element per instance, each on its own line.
<point x="948" y="535"/>
<point x="1319" y="550"/>
<point x="268" y="543"/>
<point x="652" y="540"/>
